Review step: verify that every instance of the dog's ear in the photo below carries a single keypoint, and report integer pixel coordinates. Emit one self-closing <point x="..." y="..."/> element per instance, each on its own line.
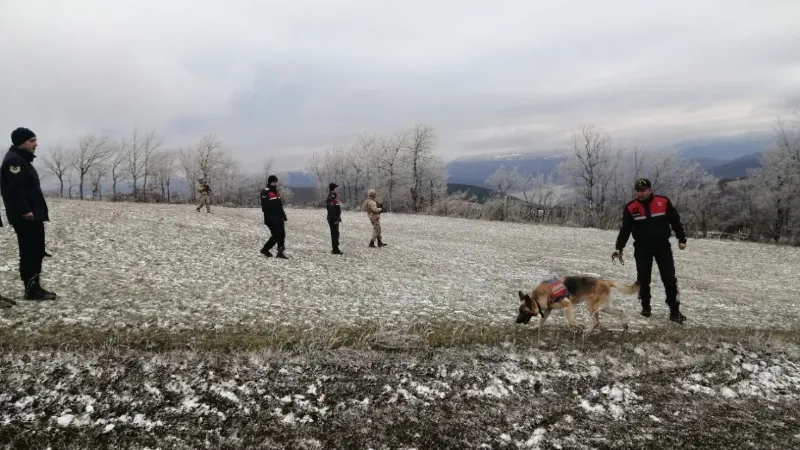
<point x="521" y="295"/>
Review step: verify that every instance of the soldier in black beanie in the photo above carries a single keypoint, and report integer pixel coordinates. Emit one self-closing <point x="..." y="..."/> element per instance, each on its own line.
<point x="334" y="216"/>
<point x="26" y="209"/>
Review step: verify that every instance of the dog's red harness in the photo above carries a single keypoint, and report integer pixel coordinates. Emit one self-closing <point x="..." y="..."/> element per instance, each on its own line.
<point x="560" y="291"/>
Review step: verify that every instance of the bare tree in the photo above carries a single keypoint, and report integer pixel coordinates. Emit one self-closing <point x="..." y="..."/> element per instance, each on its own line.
<point x="504" y="180"/>
<point x="116" y="165"/>
<point x="209" y="156"/>
<point x="59" y="164"/>
<point x="419" y="152"/>
<point x="92" y="150"/>
<point x="165" y="166"/>
<point x="388" y="161"/>
<point x="267" y="168"/>
<point x="150" y="143"/>
<point x="97" y="174"/>
<point x="590" y="165"/>
<point x="187" y="159"/>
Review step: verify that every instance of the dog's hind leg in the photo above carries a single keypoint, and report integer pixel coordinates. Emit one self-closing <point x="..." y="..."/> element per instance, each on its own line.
<point x="608" y="308"/>
<point x="594" y="320"/>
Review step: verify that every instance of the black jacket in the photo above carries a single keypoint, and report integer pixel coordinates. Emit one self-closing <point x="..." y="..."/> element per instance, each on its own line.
<point x="272" y="206"/>
<point x="334" y="209"/>
<point x="650" y="222"/>
<point x="20" y="187"/>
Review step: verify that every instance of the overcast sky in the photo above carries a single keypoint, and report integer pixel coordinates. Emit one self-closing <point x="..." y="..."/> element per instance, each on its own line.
<point x="285" y="78"/>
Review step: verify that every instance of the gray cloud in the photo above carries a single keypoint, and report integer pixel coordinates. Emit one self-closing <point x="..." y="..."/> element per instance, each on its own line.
<point x="285" y="78"/>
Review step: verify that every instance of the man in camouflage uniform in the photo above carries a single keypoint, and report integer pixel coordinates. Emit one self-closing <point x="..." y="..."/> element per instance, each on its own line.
<point x="203" y="191"/>
<point x="374" y="209"/>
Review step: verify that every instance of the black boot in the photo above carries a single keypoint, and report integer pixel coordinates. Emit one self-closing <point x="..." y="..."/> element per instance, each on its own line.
<point x="675" y="314"/>
<point x="645" y="310"/>
<point x="265" y="252"/>
<point x="47" y="293"/>
<point x="35" y="292"/>
<point x="372" y="243"/>
<point x="280" y="254"/>
<point x="336" y="251"/>
<point x="380" y="243"/>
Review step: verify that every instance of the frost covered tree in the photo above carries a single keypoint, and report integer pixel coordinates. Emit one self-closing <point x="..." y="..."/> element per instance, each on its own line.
<point x="91" y="151"/>
<point x="59" y="164"/>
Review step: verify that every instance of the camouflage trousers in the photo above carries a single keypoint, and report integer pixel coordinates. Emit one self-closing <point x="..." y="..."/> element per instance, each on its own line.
<point x="376" y="229"/>
<point x="204" y="201"/>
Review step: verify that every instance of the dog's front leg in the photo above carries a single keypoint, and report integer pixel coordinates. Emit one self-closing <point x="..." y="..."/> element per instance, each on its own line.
<point x="542" y="319"/>
<point x="570" y="313"/>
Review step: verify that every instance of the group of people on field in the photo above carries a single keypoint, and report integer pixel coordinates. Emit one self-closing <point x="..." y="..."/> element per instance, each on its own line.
<point x="275" y="216"/>
<point x="649" y="218"/>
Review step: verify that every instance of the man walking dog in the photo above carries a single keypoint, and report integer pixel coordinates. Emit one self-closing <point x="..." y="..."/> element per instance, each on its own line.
<point x="26" y="209"/>
<point x="649" y="218"/>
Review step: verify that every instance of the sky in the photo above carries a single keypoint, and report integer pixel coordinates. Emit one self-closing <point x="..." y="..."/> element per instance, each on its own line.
<point x="283" y="79"/>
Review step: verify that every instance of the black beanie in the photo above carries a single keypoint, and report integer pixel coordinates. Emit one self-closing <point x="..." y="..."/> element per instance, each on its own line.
<point x="271" y="179"/>
<point x="332" y="186"/>
<point x="21" y="136"/>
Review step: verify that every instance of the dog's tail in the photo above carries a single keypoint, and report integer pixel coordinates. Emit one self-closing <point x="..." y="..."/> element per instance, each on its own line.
<point x="625" y="288"/>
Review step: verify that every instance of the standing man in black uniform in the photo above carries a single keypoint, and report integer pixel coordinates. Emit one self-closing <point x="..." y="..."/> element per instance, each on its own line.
<point x="649" y="217"/>
<point x="26" y="209"/>
<point x="274" y="217"/>
<point x="334" y="216"/>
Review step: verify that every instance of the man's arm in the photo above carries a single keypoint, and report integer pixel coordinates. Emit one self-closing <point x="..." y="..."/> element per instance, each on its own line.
<point x="373" y="207"/>
<point x="674" y="219"/>
<point x="625" y="229"/>
<point x="16" y="188"/>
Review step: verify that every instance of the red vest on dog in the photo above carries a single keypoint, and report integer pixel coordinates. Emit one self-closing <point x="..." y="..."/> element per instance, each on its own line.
<point x="560" y="291"/>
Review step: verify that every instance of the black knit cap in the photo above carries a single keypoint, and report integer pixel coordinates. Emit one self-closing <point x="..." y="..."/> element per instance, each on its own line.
<point x="21" y="135"/>
<point x="272" y="179"/>
<point x="332" y="186"/>
<point x="642" y="183"/>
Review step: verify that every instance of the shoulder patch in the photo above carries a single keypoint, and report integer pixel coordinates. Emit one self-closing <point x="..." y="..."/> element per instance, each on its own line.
<point x="14" y="169"/>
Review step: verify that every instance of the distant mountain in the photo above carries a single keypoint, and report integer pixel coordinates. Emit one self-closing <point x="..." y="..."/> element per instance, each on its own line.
<point x="725" y="148"/>
<point x="298" y="179"/>
<point x="737" y="168"/>
<point x="480" y="192"/>
<point x="474" y="171"/>
<point x="708" y="164"/>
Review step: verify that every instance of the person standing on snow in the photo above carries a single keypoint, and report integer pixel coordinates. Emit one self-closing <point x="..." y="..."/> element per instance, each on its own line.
<point x="374" y="210"/>
<point x="26" y="210"/>
<point x="274" y="218"/>
<point x="651" y="219"/>
<point x="334" y="216"/>
<point x="203" y="191"/>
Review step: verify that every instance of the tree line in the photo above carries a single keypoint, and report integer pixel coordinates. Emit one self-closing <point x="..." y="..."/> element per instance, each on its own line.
<point x="405" y="168"/>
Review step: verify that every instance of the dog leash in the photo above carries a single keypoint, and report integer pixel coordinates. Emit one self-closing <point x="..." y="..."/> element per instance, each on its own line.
<point x="617" y="257"/>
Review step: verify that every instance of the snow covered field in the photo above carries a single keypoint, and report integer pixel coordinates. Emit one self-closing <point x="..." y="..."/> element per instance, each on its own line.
<point x="172" y="331"/>
<point x="167" y="266"/>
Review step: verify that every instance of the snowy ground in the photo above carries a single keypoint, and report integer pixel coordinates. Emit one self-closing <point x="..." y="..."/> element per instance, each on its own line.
<point x="170" y="322"/>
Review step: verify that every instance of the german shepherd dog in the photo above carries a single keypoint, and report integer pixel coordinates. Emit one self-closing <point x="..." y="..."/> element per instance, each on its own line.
<point x="560" y="293"/>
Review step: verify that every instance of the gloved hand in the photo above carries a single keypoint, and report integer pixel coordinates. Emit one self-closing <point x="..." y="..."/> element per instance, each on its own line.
<point x="617" y="255"/>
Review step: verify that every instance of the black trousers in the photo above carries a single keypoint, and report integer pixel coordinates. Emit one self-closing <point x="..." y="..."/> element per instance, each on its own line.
<point x="30" y="236"/>
<point x="334" y="234"/>
<point x="278" y="236"/>
<point x="661" y="252"/>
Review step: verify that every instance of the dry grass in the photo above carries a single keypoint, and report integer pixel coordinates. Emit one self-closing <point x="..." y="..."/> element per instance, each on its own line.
<point x="366" y="335"/>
